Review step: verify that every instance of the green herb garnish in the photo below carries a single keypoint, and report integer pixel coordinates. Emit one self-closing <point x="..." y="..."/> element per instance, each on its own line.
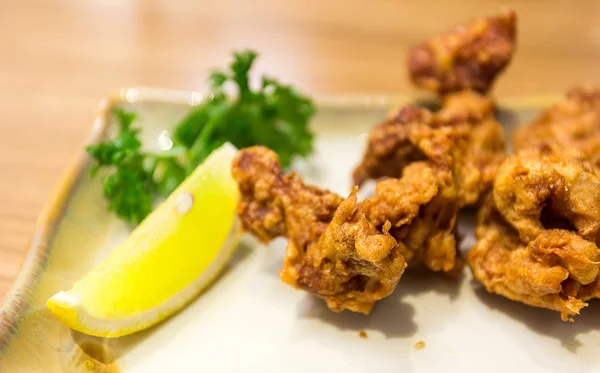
<point x="275" y="115"/>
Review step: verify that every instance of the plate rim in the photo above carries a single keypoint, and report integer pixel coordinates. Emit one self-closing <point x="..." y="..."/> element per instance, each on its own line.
<point x="16" y="301"/>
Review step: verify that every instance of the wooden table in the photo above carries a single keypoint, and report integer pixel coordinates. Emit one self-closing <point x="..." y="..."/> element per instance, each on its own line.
<point x="58" y="58"/>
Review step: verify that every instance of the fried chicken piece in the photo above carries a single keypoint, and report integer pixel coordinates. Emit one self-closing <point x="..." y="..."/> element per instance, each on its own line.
<point x="552" y="186"/>
<point x="333" y="251"/>
<point x="351" y="265"/>
<point x="274" y="204"/>
<point x="538" y="231"/>
<point x="470" y="56"/>
<point x="463" y="137"/>
<point x="557" y="270"/>
<point x="573" y="123"/>
<point x="349" y="253"/>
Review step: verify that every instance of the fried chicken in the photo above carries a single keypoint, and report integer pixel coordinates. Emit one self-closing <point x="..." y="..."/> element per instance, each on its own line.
<point x="353" y="253"/>
<point x="463" y="137"/>
<point x="555" y="183"/>
<point x="470" y="56"/>
<point x="349" y="253"/>
<point x="573" y="123"/>
<point x="539" y="229"/>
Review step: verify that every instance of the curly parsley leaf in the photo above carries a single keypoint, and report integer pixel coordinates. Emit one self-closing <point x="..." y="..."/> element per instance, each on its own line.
<point x="273" y="115"/>
<point x="135" y="178"/>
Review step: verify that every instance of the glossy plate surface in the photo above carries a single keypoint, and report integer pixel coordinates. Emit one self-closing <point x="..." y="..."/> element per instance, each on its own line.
<point x="249" y="321"/>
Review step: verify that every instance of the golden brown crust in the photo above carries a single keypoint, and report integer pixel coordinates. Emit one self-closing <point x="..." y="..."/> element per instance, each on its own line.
<point x="352" y="265"/>
<point x="347" y="252"/>
<point x="572" y="123"/>
<point x="537" y="231"/>
<point x="266" y="206"/>
<point x="557" y="184"/>
<point x="464" y="137"/>
<point x="394" y="144"/>
<point x="422" y="208"/>
<point x="333" y="250"/>
<point x="469" y="56"/>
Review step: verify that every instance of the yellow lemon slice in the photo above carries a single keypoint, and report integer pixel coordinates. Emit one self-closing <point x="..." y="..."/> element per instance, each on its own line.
<point x="166" y="261"/>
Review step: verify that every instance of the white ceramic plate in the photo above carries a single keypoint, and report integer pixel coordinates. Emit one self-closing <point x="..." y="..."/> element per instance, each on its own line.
<point x="249" y="321"/>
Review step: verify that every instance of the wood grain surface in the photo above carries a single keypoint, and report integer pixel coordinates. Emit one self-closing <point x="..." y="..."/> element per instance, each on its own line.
<point x="59" y="58"/>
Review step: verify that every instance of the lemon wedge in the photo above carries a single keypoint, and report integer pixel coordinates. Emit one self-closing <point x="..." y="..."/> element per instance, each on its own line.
<point x="166" y="261"/>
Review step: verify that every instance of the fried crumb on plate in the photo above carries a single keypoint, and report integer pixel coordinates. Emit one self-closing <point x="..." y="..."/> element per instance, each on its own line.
<point x="420" y="345"/>
<point x="363" y="334"/>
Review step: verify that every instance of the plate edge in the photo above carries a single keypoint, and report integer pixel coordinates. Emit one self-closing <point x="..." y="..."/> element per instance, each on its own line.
<point x="329" y="101"/>
<point x="16" y="300"/>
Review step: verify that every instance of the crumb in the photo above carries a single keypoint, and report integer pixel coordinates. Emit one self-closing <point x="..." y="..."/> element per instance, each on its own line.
<point x="420" y="345"/>
<point x="363" y="334"/>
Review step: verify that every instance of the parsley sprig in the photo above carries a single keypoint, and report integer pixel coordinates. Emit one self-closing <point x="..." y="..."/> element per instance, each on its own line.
<point x="274" y="115"/>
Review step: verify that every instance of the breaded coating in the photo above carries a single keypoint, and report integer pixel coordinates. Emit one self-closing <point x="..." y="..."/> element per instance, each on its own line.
<point x="543" y="186"/>
<point x="273" y="203"/>
<point x="408" y="135"/>
<point x="425" y="226"/>
<point x="469" y="56"/>
<point x="463" y="137"/>
<point x="351" y="265"/>
<point x="573" y="123"/>
<point x="538" y="231"/>
<point x="347" y="252"/>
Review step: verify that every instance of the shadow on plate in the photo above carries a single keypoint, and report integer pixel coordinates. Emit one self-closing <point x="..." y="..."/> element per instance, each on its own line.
<point x="391" y="316"/>
<point x="545" y="322"/>
<point x="418" y="281"/>
<point x="88" y="353"/>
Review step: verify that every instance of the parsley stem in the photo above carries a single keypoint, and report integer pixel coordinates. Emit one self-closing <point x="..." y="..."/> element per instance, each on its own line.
<point x="197" y="148"/>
